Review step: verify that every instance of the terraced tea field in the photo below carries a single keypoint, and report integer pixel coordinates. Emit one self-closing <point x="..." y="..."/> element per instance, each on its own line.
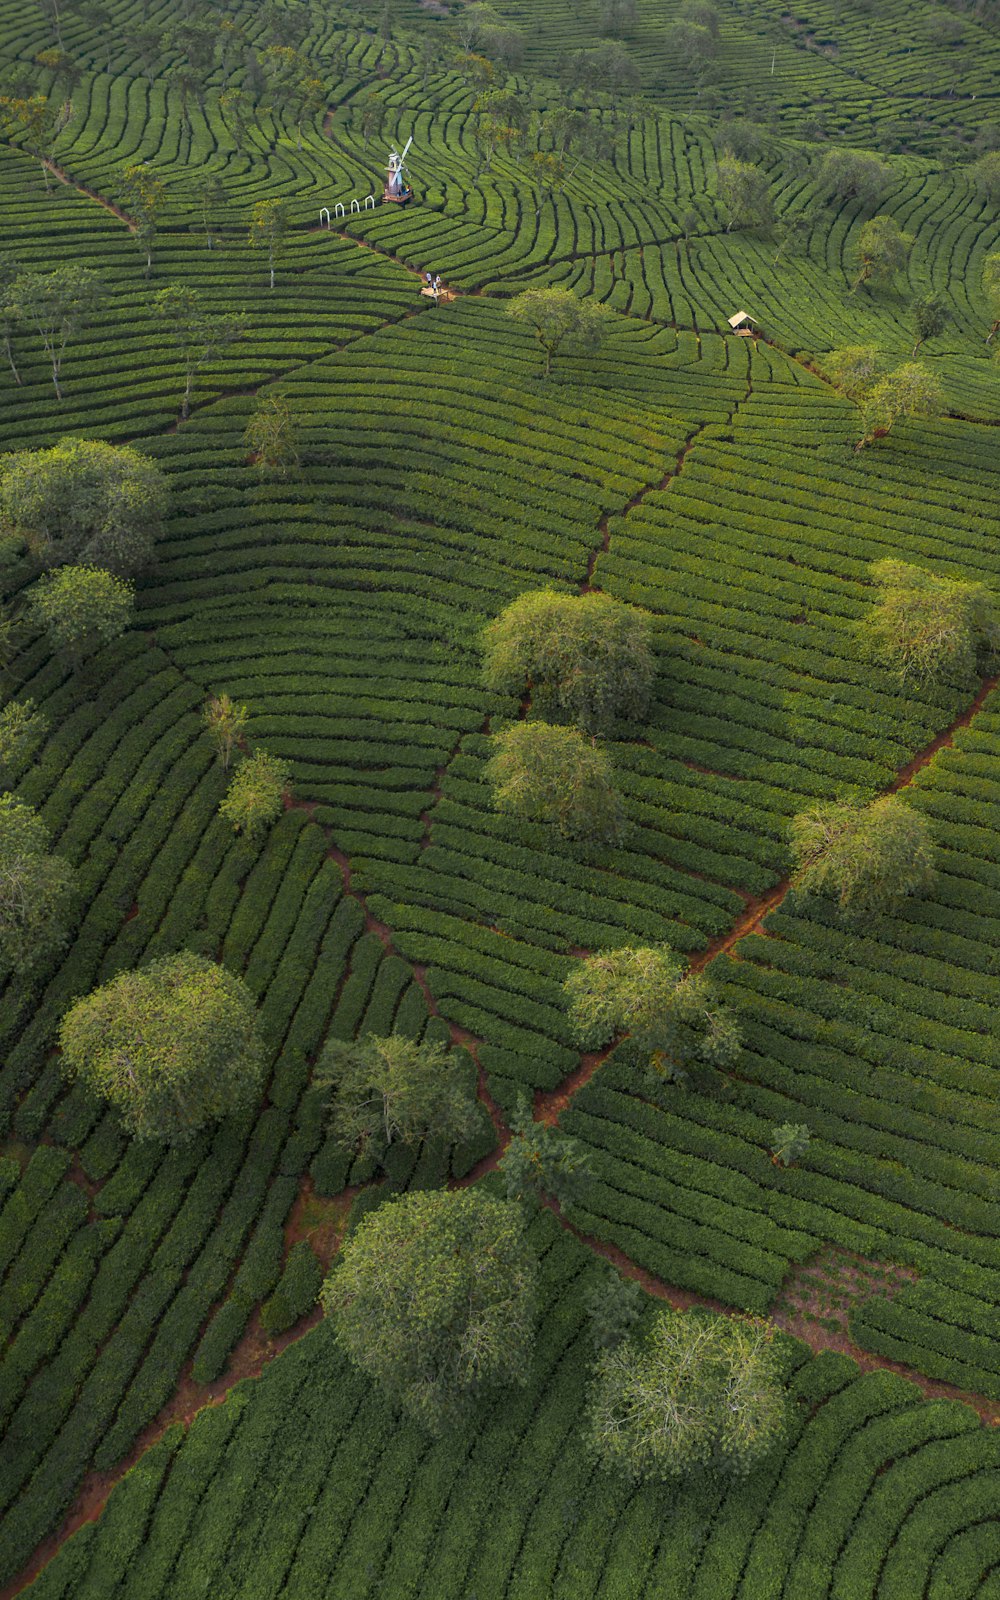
<point x="708" y="478"/>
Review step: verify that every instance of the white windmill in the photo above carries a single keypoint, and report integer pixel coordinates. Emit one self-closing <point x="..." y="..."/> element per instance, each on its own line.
<point x="396" y="187"/>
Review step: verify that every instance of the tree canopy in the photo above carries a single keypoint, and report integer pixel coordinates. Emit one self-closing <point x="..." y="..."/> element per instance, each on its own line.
<point x="745" y="193"/>
<point x="883" y="249"/>
<point x="542" y="773"/>
<point x="559" y="317"/>
<point x="671" y="1016"/>
<point x="854" y="173"/>
<point x="84" y="502"/>
<point x="35" y="887"/>
<point x="586" y="658"/>
<point x="172" y="1046"/>
<point x="541" y="1160"/>
<point x="81" y="608"/>
<point x="867" y="857"/>
<point x="256" y="794"/>
<point x="926" y="627"/>
<point x="434" y="1297"/>
<point x="697" y="1392"/>
<point x="391" y="1090"/>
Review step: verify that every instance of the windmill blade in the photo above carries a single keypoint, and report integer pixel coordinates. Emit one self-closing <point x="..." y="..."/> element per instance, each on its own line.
<point x="405" y="148"/>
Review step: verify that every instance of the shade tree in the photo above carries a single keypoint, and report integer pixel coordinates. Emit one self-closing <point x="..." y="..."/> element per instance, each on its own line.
<point x="929" y="315"/>
<point x="586" y="659"/>
<point x="22" y="729"/>
<point x="991" y="289"/>
<point x="434" y="1297"/>
<point x="559" y="318"/>
<point x="171" y="1047"/>
<point x="200" y="335"/>
<point x="670" y="1017"/>
<point x="985" y="175"/>
<point x="745" y="193"/>
<point x="57" y="305"/>
<point x="225" y="723"/>
<point x="270" y="221"/>
<point x="926" y="627"/>
<point x="554" y="775"/>
<point x="696" y="1392"/>
<point x="79" y="609"/>
<point x="541" y="1160"/>
<point x="142" y="193"/>
<point x="390" y="1090"/>
<point x="36" y="888"/>
<point x="271" y="436"/>
<point x="882" y="251"/>
<point x="868" y="857"/>
<point x="256" y="795"/>
<point x="84" y="502"/>
<point x="854" y="174"/>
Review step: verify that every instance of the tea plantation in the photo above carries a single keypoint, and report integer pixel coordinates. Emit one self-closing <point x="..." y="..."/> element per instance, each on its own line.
<point x="708" y="478"/>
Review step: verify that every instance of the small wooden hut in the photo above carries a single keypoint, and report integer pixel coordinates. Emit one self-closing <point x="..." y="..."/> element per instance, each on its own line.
<point x="743" y="324"/>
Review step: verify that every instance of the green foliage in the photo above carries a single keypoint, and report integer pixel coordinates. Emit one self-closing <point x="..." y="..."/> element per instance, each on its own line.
<point x="930" y="317"/>
<point x="853" y="370"/>
<point x="559" y="317"/>
<point x="84" y="502"/>
<point x="985" y="174"/>
<point x="883" y="249"/>
<point x="256" y="794"/>
<point x="393" y="1090"/>
<point x="80" y="608"/>
<point x="57" y="305"/>
<point x="297" y="1291"/>
<point x="171" y="1047"/>
<point x="789" y="1142"/>
<point x="142" y="192"/>
<point x="269" y="225"/>
<point x="697" y="1393"/>
<point x="225" y="723"/>
<point x="35" y="888"/>
<point x="546" y="774"/>
<point x="869" y="858"/>
<point x="911" y="390"/>
<point x="614" y="1306"/>
<point x="745" y="193"/>
<point x="586" y="659"/>
<point x="857" y="174"/>
<point x="539" y="1160"/>
<point x="200" y="335"/>
<point x="22" y="729"/>
<point x="272" y="437"/>
<point x="671" y="1017"/>
<point x="927" y="628"/>
<point x="434" y="1297"/>
<point x="991" y="289"/>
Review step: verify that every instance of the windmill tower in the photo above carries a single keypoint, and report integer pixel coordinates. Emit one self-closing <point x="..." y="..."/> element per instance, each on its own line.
<point x="397" y="190"/>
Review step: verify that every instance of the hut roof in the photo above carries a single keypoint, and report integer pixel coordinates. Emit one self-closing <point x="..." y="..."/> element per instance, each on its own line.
<point x="740" y="318"/>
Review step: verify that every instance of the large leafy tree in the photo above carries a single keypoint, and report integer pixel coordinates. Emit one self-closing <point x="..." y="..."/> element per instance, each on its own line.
<point x="587" y="659"/>
<point x="854" y="174"/>
<point x="256" y="794"/>
<point x="434" y="1297"/>
<point x="696" y="1393"/>
<point x="172" y="1047"/>
<point x="22" y="729"/>
<point x="926" y="627"/>
<point x="745" y="193"/>
<point x="869" y="858"/>
<point x="985" y="174"/>
<point x="35" y="887"/>
<point x="558" y="317"/>
<point x="84" y="502"/>
<point x="199" y="335"/>
<point x="545" y="774"/>
<point x="911" y="390"/>
<point x="883" y="249"/>
<point x="540" y="1160"/>
<point x="57" y="305"/>
<point x="271" y="436"/>
<point x="391" y="1090"/>
<point x="671" y="1017"/>
<point x="80" y="609"/>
